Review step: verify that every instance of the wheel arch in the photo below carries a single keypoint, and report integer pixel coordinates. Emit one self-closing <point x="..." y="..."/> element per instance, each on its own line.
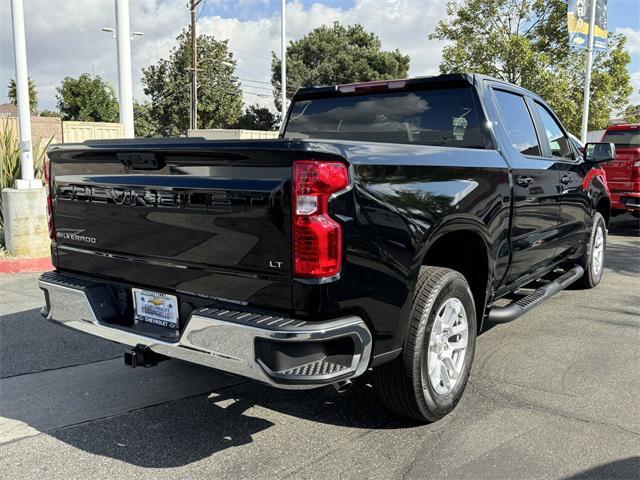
<point x="603" y="206"/>
<point x="464" y="248"/>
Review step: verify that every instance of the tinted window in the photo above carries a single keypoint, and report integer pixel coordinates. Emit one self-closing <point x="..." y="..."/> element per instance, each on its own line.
<point x="426" y="117"/>
<point x="517" y="123"/>
<point x="623" y="138"/>
<point x="558" y="142"/>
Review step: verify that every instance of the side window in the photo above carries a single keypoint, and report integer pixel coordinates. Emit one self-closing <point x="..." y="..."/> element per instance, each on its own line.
<point x="517" y="123"/>
<point x="558" y="142"/>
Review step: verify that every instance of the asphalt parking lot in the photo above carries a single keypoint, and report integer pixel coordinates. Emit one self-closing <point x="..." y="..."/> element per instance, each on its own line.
<point x="555" y="394"/>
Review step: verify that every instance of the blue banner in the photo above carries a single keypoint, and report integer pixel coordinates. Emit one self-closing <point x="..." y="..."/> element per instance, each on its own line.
<point x="578" y="12"/>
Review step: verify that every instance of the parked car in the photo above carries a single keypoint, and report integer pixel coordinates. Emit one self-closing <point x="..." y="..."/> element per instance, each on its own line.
<point x="390" y="223"/>
<point x="623" y="174"/>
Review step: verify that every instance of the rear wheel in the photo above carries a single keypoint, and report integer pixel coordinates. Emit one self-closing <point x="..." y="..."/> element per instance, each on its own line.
<point x="427" y="380"/>
<point x="593" y="259"/>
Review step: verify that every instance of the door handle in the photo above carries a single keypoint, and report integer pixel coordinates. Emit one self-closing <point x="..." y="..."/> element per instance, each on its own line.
<point x="565" y="180"/>
<point x="524" y="181"/>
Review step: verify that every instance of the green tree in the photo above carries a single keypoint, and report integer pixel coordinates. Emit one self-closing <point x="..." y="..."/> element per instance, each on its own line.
<point x="168" y="84"/>
<point x="33" y="94"/>
<point x="258" y="118"/>
<point x="50" y="113"/>
<point x="143" y="124"/>
<point x="631" y="114"/>
<point x="87" y="99"/>
<point x="525" y="42"/>
<point x="336" y="54"/>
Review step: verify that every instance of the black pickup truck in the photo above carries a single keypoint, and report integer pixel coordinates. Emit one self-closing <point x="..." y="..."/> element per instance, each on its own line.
<point x="387" y="226"/>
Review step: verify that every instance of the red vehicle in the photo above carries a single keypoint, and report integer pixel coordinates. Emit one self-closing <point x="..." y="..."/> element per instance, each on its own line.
<point x="623" y="174"/>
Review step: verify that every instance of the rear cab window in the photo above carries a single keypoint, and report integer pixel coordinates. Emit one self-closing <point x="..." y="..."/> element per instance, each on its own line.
<point x="628" y="138"/>
<point x="438" y="117"/>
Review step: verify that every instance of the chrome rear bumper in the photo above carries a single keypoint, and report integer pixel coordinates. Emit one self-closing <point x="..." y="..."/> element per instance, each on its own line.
<point x="226" y="340"/>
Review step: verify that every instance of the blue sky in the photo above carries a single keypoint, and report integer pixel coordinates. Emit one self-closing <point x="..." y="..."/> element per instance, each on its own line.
<point x="64" y="37"/>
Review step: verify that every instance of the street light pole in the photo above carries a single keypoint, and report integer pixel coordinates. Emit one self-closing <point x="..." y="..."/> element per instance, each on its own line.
<point x="125" y="88"/>
<point x="283" y="63"/>
<point x="193" y="118"/>
<point x="587" y="78"/>
<point x="22" y="95"/>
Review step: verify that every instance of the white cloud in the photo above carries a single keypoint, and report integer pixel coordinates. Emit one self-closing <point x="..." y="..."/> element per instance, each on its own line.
<point x="633" y="39"/>
<point x="64" y="38"/>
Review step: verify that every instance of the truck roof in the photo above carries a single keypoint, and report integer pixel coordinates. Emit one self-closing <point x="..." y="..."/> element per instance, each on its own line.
<point x="449" y="79"/>
<point x="468" y="78"/>
<point x="624" y="126"/>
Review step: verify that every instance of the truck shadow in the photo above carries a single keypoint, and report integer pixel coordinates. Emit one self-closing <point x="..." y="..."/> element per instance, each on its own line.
<point x="184" y="431"/>
<point x="160" y="434"/>
<point x="625" y="225"/>
<point x="627" y="468"/>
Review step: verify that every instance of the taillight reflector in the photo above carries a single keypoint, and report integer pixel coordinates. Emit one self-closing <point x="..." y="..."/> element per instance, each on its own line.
<point x="317" y="238"/>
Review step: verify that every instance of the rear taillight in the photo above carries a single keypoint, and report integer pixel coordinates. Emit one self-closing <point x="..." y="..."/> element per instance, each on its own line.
<point x="317" y="238"/>
<point x="49" y="188"/>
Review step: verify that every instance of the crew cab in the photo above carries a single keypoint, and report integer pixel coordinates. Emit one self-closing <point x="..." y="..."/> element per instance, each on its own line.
<point x="623" y="174"/>
<point x="387" y="226"/>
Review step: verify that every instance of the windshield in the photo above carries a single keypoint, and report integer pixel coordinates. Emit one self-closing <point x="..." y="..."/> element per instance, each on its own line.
<point x="446" y="117"/>
<point x="623" y="138"/>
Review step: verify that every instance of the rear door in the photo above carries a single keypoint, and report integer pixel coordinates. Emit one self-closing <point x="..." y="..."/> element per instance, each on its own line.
<point x="575" y="203"/>
<point x="534" y="230"/>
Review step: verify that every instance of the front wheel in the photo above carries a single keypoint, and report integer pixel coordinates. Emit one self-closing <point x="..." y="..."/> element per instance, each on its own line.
<point x="593" y="259"/>
<point x="427" y="380"/>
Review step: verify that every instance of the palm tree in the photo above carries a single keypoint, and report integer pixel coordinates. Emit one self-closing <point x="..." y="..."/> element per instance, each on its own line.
<point x="33" y="94"/>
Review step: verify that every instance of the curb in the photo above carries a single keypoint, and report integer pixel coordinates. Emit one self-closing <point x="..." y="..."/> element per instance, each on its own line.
<point x="25" y="265"/>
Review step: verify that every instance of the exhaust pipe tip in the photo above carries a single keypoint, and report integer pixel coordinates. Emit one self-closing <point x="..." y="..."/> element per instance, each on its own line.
<point x="343" y="385"/>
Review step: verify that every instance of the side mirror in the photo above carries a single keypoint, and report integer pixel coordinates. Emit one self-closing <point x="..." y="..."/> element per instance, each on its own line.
<point x="599" y="152"/>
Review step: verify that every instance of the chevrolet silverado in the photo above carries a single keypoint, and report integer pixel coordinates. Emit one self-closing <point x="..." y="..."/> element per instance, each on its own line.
<point x="388" y="225"/>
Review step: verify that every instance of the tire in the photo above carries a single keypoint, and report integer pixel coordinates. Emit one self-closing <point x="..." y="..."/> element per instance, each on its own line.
<point x="593" y="259"/>
<point x="405" y="385"/>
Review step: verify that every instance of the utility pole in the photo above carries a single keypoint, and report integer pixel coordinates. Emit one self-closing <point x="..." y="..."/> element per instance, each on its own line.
<point x="125" y="88"/>
<point x="283" y="63"/>
<point x="22" y="95"/>
<point x="193" y="118"/>
<point x="587" y="78"/>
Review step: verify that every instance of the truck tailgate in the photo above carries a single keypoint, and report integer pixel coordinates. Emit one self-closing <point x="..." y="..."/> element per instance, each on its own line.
<point x="621" y="173"/>
<point x="204" y="218"/>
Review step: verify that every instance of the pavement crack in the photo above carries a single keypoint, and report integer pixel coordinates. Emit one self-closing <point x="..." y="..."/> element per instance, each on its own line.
<point x="511" y="401"/>
<point x="60" y="368"/>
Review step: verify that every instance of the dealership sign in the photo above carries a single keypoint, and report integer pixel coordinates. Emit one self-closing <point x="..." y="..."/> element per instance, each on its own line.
<point x="578" y="12"/>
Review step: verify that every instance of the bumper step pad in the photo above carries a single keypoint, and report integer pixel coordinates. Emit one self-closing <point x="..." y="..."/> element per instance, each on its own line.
<point x="319" y="367"/>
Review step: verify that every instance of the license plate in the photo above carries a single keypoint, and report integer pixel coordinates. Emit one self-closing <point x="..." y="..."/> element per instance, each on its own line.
<point x="155" y="307"/>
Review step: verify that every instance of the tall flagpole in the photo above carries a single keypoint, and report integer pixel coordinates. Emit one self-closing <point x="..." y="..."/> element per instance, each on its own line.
<point x="587" y="78"/>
